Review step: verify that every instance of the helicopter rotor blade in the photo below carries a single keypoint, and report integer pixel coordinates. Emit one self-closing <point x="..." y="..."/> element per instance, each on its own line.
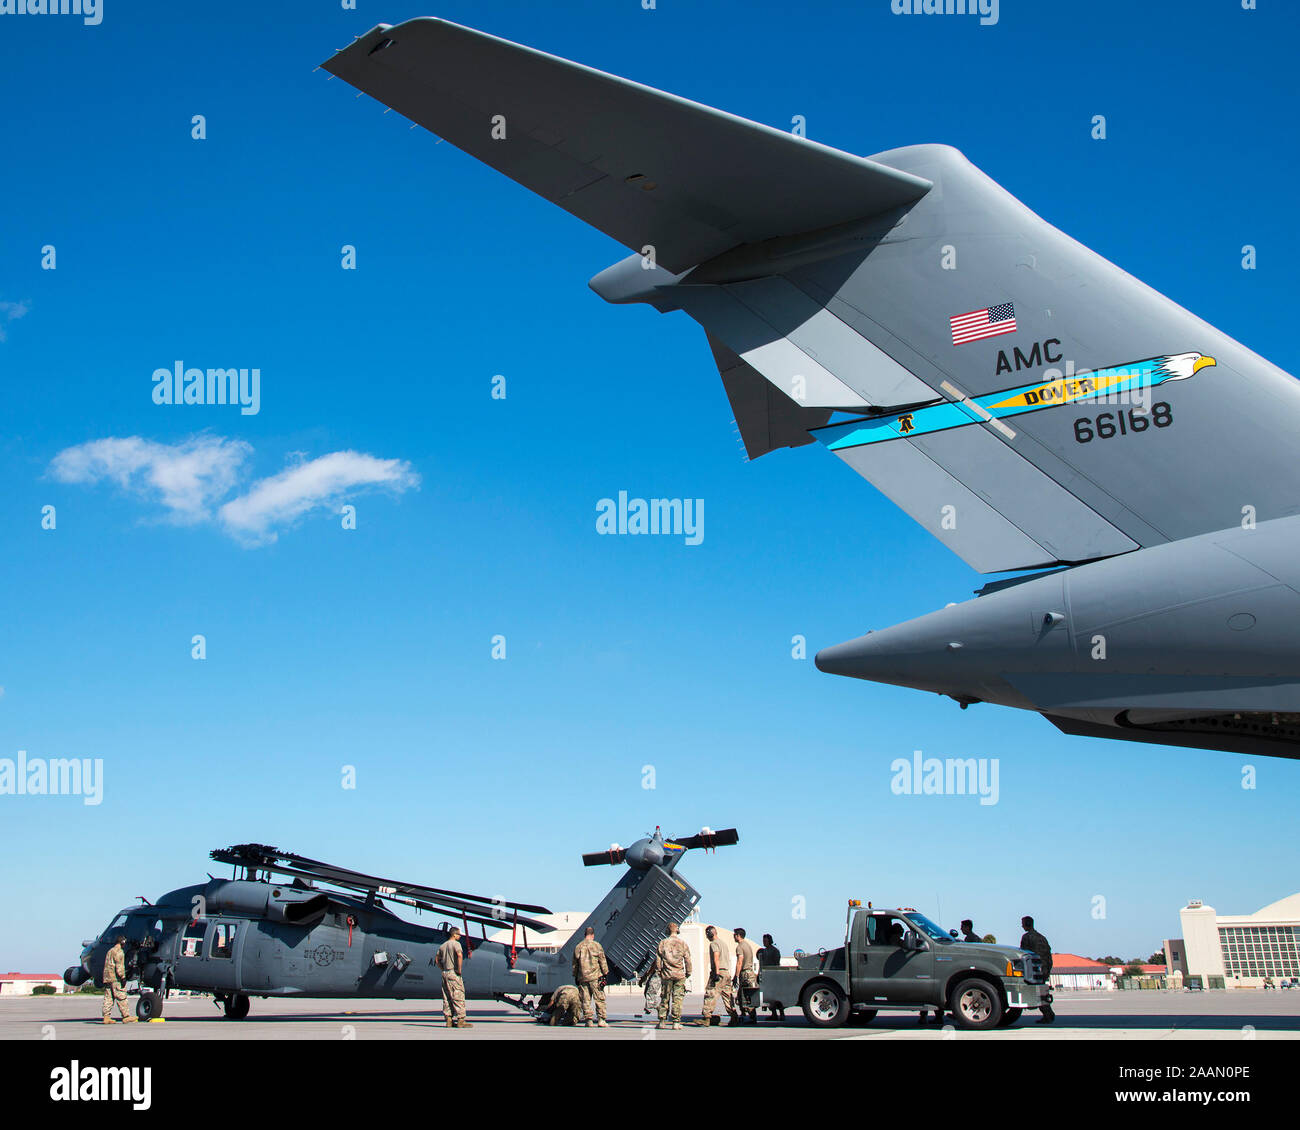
<point x="597" y="858"/>
<point x="724" y="837"/>
<point x="286" y="863"/>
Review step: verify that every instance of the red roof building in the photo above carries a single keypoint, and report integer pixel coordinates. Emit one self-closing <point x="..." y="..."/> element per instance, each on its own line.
<point x="22" y="984"/>
<point x="1073" y="963"/>
<point x="1070" y="971"/>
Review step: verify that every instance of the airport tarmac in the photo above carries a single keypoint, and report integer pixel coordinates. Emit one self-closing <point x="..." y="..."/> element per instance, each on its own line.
<point x="1154" y="1015"/>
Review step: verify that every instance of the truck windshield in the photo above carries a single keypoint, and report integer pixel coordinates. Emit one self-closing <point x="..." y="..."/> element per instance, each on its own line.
<point x="921" y="922"/>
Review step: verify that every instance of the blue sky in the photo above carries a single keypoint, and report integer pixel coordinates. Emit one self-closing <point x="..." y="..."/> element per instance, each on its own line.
<point x="371" y="647"/>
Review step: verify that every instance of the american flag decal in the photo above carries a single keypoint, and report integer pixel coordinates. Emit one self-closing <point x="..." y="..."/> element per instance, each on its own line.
<point x="992" y="321"/>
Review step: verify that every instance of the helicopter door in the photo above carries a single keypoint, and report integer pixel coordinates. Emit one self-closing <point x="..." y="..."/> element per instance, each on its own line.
<point x="225" y="945"/>
<point x="191" y="963"/>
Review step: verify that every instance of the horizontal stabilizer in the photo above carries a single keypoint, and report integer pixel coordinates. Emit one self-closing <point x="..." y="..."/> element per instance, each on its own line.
<point x="642" y="166"/>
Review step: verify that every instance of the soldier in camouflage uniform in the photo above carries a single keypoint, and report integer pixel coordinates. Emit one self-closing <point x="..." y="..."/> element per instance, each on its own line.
<point x="450" y="961"/>
<point x="719" y="982"/>
<point x="590" y="969"/>
<point x="673" y="964"/>
<point x="1033" y="941"/>
<point x="565" y="1001"/>
<point x="114" y="975"/>
<point x="649" y="981"/>
<point x="746" y="977"/>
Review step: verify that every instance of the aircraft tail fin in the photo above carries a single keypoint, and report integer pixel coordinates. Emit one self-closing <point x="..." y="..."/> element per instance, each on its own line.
<point x="1026" y="401"/>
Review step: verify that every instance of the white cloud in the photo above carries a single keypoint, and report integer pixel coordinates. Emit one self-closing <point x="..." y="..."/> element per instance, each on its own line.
<point x="314" y="484"/>
<point x="11" y="312"/>
<point x="187" y="478"/>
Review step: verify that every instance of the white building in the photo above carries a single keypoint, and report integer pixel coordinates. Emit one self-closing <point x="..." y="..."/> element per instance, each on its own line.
<point x="1239" y="951"/>
<point x="22" y="984"/>
<point x="1070" y="971"/>
<point x="566" y="922"/>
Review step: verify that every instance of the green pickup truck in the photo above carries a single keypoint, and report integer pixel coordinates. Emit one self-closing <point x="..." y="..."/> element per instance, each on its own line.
<point x="899" y="959"/>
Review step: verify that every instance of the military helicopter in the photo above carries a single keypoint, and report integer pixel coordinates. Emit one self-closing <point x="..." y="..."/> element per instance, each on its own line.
<point x="331" y="932"/>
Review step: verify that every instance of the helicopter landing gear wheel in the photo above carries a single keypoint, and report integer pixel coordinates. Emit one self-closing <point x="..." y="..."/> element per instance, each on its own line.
<point x="149" y="1006"/>
<point x="236" y="1006"/>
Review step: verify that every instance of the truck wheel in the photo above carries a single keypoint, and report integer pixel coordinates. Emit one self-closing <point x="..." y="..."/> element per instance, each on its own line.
<point x="237" y="1005"/>
<point x="149" y="1006"/>
<point x="975" y="1004"/>
<point x="1010" y="1017"/>
<point x="861" y="1017"/>
<point x="825" y="1006"/>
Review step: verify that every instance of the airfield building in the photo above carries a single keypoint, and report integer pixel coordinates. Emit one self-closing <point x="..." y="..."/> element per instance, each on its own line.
<point x="1070" y="971"/>
<point x="1240" y="951"/>
<point x="23" y="984"/>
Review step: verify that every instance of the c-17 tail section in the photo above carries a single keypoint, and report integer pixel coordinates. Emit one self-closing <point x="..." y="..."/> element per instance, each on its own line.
<point x="1026" y="401"/>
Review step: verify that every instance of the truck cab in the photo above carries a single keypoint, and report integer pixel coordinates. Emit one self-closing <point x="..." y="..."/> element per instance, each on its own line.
<point x="898" y="959"/>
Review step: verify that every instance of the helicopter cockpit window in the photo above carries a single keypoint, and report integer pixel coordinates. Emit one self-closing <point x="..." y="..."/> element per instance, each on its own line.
<point x="192" y="940"/>
<point x="140" y="927"/>
<point x="223" y="939"/>
<point x="117" y="922"/>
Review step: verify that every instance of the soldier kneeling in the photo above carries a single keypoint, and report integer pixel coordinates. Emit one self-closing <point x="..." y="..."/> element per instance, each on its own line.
<point x="564" y="1005"/>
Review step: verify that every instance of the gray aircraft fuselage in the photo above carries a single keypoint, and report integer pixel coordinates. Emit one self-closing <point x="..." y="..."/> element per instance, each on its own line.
<point x="1205" y="624"/>
<point x="255" y="937"/>
<point x="322" y="958"/>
